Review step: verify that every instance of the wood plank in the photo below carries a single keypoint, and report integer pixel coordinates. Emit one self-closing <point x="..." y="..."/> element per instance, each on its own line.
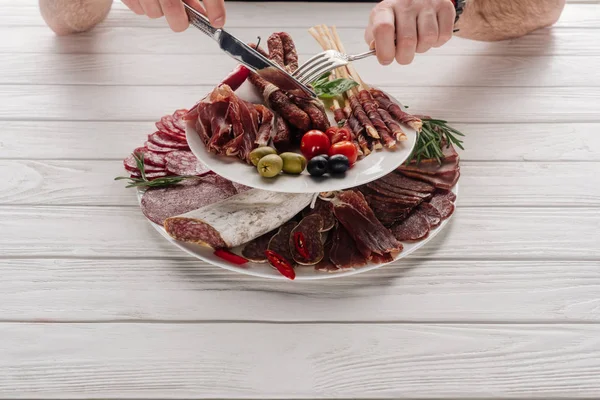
<point x="63" y="290"/>
<point x="83" y="182"/>
<point x="277" y="361"/>
<point x="113" y="140"/>
<point x="132" y="103"/>
<point x="518" y="233"/>
<point x="146" y="69"/>
<point x="242" y="14"/>
<point x="163" y="42"/>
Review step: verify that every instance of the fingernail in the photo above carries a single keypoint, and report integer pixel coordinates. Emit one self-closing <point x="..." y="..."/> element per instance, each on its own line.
<point x="218" y="23"/>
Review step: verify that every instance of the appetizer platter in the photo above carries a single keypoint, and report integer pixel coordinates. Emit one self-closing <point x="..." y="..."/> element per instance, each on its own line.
<point x="193" y="184"/>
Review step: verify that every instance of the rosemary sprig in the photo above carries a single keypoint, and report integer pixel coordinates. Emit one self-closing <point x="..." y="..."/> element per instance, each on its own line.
<point x="143" y="182"/>
<point x="434" y="135"/>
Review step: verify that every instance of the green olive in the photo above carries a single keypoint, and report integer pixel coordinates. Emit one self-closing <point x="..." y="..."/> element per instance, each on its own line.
<point x="260" y="152"/>
<point x="293" y="163"/>
<point x="270" y="166"/>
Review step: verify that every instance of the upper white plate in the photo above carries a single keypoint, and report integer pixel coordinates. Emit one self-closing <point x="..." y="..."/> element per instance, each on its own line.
<point x="303" y="273"/>
<point x="370" y="168"/>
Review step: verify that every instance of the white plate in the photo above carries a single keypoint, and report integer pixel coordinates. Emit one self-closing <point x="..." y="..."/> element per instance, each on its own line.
<point x="303" y="273"/>
<point x="370" y="168"/>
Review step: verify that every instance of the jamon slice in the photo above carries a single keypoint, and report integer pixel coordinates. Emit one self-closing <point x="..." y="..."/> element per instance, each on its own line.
<point x="283" y="137"/>
<point x="265" y="130"/>
<point x="352" y="210"/>
<point x="344" y="252"/>
<point x="413" y="228"/>
<point x="441" y="182"/>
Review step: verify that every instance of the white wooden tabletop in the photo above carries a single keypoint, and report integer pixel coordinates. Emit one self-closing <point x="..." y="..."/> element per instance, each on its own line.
<point x="95" y="304"/>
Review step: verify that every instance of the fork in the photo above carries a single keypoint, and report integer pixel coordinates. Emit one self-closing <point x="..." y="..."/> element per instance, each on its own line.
<point x="325" y="62"/>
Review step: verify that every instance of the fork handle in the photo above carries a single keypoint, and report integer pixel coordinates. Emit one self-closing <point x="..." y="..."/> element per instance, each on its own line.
<point x="362" y="55"/>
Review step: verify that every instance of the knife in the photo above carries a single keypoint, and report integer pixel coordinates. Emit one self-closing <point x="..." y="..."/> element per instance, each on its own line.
<point x="247" y="55"/>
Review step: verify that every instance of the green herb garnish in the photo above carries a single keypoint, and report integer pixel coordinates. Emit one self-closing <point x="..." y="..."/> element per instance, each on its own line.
<point x="434" y="135"/>
<point x="143" y="182"/>
<point x="326" y="89"/>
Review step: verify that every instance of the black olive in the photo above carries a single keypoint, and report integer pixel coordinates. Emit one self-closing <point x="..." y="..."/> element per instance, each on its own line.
<point x="338" y="164"/>
<point x="317" y="166"/>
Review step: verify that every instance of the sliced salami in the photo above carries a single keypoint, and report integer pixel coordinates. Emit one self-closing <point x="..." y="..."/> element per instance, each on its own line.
<point x="161" y="203"/>
<point x="280" y="243"/>
<point x="158" y="149"/>
<point x="151" y="158"/>
<point x="130" y="165"/>
<point x="185" y="163"/>
<point x="444" y="206"/>
<point x="325" y="210"/>
<point x="255" y="249"/>
<point x="178" y="120"/>
<point x="430" y="213"/>
<point x="167" y="121"/>
<point x="446" y="194"/>
<point x="163" y="140"/>
<point x="179" y="137"/>
<point x="305" y="240"/>
<point x="150" y="175"/>
<point x="413" y="228"/>
<point x="325" y="265"/>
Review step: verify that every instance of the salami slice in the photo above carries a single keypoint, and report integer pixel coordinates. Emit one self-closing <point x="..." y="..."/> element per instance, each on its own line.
<point x="305" y="240"/>
<point x="178" y="120"/>
<point x="130" y="165"/>
<point x="179" y="137"/>
<point x="344" y="252"/>
<point x="185" y="163"/>
<point x="255" y="249"/>
<point x="325" y="210"/>
<point x="413" y="228"/>
<point x="163" y="140"/>
<point x="167" y="121"/>
<point x="158" y="149"/>
<point x="446" y="194"/>
<point x="150" y="175"/>
<point x="151" y="158"/>
<point x="444" y="206"/>
<point x="280" y="243"/>
<point x="161" y="203"/>
<point x="431" y="214"/>
<point x="325" y="265"/>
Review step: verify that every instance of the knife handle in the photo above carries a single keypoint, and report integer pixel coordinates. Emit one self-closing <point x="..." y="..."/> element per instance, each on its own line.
<point x="201" y="22"/>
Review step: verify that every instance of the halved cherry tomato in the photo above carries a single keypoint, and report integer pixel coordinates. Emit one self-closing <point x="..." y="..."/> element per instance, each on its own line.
<point x="231" y="257"/>
<point x="280" y="264"/>
<point x="346" y="148"/>
<point x="331" y="131"/>
<point x="343" y="134"/>
<point x="314" y="143"/>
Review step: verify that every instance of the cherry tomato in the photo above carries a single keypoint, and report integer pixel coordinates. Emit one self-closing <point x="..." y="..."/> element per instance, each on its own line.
<point x="343" y="134"/>
<point x="345" y="148"/>
<point x="314" y="143"/>
<point x="330" y="132"/>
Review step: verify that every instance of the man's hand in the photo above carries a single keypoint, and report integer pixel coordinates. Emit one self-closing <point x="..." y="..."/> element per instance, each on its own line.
<point x="175" y="13"/>
<point x="414" y="25"/>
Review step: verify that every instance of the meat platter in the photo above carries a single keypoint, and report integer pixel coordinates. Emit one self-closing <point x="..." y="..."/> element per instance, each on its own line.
<point x="227" y="219"/>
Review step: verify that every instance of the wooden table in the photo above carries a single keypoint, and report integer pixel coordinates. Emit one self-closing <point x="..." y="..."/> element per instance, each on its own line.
<point x="95" y="304"/>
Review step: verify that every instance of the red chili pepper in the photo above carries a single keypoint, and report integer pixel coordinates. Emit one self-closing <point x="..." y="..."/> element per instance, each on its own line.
<point x="281" y="264"/>
<point x="300" y="245"/>
<point x="236" y="77"/>
<point x="230" y="257"/>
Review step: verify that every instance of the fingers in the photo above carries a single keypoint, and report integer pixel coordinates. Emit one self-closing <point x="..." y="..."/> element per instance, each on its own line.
<point x="151" y="8"/>
<point x="175" y="14"/>
<point x="406" y="36"/>
<point x="135" y="6"/>
<point x="427" y="30"/>
<point x="215" y="10"/>
<point x="445" y="19"/>
<point x="382" y="31"/>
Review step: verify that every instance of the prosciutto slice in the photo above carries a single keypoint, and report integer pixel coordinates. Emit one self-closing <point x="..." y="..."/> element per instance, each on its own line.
<point x="344" y="253"/>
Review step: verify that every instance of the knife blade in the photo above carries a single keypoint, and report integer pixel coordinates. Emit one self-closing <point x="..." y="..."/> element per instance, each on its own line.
<point x="246" y="55"/>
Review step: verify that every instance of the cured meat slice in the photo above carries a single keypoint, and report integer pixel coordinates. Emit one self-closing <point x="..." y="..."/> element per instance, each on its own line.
<point x="413" y="228"/>
<point x="185" y="163"/>
<point x="325" y="265"/>
<point x="440" y="182"/>
<point x="255" y="249"/>
<point x="163" y="140"/>
<point x="283" y="136"/>
<point x="280" y="243"/>
<point x="150" y="175"/>
<point x="392" y="125"/>
<point x="178" y="119"/>
<point x="175" y="136"/>
<point x="325" y="210"/>
<point x="306" y="246"/>
<point x="167" y="121"/>
<point x="344" y="252"/>
<point x="385" y="188"/>
<point x="447" y="194"/>
<point x="352" y="210"/>
<point x="394" y="199"/>
<point x="130" y="165"/>
<point x="430" y="213"/>
<point x="384" y="259"/>
<point x="361" y="116"/>
<point x="151" y="158"/>
<point x="238" y="219"/>
<point x="158" y="204"/>
<point x="400" y="181"/>
<point x="266" y="126"/>
<point x="444" y="206"/>
<point x="158" y="149"/>
<point x="447" y="168"/>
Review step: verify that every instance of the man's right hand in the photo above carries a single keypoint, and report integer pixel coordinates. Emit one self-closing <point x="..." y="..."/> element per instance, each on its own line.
<point x="175" y="13"/>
